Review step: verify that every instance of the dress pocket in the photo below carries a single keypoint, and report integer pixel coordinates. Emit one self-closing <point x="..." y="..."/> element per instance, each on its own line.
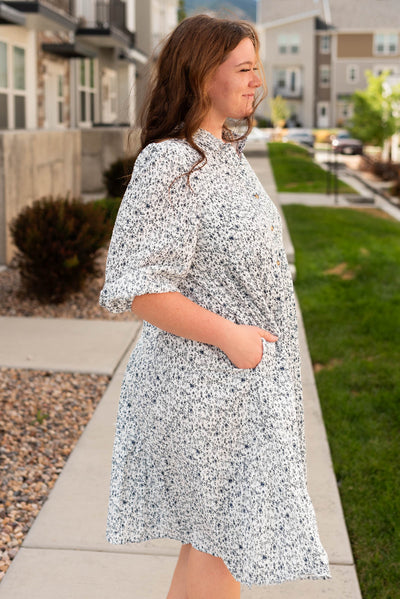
<point x="267" y="355"/>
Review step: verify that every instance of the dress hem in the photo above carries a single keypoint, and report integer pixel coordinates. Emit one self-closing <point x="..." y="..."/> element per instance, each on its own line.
<point x="238" y="578"/>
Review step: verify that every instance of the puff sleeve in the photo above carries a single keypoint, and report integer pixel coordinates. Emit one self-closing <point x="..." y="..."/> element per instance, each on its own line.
<point x="155" y="233"/>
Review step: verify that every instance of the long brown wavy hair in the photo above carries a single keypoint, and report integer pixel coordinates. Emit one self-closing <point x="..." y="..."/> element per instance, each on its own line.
<point x="177" y="101"/>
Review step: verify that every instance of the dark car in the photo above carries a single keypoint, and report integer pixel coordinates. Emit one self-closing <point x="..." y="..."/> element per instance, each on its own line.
<point x="343" y="143"/>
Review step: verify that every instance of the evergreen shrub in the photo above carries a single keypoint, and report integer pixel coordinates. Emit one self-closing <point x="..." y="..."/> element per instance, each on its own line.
<point x="58" y="241"/>
<point x="110" y="207"/>
<point x="117" y="176"/>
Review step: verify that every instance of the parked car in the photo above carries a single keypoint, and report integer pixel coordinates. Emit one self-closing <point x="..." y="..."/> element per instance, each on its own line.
<point x="343" y="143"/>
<point x="257" y="137"/>
<point x="305" y="138"/>
<point x="257" y="134"/>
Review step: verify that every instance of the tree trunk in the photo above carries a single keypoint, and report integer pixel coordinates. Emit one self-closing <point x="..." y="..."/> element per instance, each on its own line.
<point x="395" y="147"/>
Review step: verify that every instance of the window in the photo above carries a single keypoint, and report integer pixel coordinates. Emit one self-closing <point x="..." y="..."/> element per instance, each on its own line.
<point x="325" y="44"/>
<point x="60" y="99"/>
<point x="19" y="87"/>
<point x="3" y="86"/>
<point x="3" y="65"/>
<point x="282" y="44"/>
<point x="289" y="43"/>
<point x="293" y="86"/>
<point x="294" y="43"/>
<point x="287" y="82"/>
<point x="352" y="73"/>
<point x="86" y="91"/>
<point x="281" y="79"/>
<point x="386" y="43"/>
<point x="325" y="75"/>
<point x="344" y="110"/>
<point x="12" y="87"/>
<point x="393" y="70"/>
<point x="19" y="68"/>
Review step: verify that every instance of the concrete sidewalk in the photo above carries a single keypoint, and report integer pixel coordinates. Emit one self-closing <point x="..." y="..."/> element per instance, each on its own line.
<point x="65" y="554"/>
<point x="67" y="345"/>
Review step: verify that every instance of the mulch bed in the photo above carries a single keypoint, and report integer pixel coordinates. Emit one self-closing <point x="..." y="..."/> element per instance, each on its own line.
<point x="42" y="414"/>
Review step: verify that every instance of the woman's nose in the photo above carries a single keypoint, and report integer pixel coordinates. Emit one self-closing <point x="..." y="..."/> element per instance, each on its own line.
<point x="255" y="81"/>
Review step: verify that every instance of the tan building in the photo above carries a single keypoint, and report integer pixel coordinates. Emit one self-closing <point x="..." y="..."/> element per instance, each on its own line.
<point x="69" y="81"/>
<point x="156" y="19"/>
<point x="316" y="53"/>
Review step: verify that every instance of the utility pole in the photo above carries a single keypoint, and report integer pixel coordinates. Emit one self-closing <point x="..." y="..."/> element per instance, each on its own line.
<point x="336" y="180"/>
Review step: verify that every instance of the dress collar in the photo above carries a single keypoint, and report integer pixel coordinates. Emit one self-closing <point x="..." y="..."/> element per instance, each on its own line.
<point x="208" y="141"/>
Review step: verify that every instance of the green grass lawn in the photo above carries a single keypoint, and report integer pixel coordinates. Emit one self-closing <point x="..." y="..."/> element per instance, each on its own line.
<point x="348" y="283"/>
<point x="295" y="171"/>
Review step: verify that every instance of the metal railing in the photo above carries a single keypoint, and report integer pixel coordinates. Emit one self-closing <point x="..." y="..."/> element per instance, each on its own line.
<point x="288" y="93"/>
<point x="103" y="14"/>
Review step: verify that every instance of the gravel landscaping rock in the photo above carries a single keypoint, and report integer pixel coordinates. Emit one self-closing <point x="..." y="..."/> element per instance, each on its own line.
<point x="42" y="415"/>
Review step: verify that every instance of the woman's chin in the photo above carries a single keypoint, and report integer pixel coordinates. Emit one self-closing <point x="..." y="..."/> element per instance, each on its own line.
<point x="240" y="116"/>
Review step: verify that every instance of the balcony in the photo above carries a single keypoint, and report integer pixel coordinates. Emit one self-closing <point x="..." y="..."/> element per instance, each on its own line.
<point x="38" y="15"/>
<point x="66" y="6"/>
<point x="104" y="24"/>
<point x="10" y="16"/>
<point x="288" y="93"/>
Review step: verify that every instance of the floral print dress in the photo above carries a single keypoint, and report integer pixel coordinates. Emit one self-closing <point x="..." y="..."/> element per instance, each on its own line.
<point x="207" y="453"/>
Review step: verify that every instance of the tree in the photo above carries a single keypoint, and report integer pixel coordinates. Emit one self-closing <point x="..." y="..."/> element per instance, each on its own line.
<point x="181" y="10"/>
<point x="280" y="111"/>
<point x="374" y="119"/>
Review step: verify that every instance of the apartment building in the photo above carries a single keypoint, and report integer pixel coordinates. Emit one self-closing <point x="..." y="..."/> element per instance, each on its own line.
<point x="75" y="63"/>
<point x="157" y="18"/>
<point x="70" y="75"/>
<point x="316" y="52"/>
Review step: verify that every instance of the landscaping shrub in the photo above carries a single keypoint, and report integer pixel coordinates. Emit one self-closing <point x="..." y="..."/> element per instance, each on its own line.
<point x="387" y="171"/>
<point x="117" y="176"/>
<point x="395" y="190"/>
<point x="58" y="241"/>
<point x="109" y="207"/>
<point x="263" y="122"/>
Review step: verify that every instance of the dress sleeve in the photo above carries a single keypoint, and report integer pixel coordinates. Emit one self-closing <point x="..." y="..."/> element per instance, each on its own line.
<point x="155" y="233"/>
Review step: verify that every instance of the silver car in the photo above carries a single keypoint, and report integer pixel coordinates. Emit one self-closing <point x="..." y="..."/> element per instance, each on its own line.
<point x="304" y="138"/>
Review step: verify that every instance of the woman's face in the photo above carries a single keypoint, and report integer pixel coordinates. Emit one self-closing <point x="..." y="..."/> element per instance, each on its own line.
<point x="232" y="87"/>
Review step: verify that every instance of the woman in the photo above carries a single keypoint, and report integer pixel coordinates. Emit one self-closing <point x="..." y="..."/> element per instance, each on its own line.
<point x="209" y="447"/>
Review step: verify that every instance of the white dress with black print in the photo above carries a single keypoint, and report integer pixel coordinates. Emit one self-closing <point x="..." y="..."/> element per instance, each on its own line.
<point x="205" y="452"/>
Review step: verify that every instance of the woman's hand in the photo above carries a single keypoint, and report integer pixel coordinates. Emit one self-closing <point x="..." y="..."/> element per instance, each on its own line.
<point x="243" y="345"/>
<point x="177" y="314"/>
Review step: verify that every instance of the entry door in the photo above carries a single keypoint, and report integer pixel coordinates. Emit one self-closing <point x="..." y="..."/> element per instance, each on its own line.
<point x="109" y="95"/>
<point x="323" y="115"/>
<point x="54" y="96"/>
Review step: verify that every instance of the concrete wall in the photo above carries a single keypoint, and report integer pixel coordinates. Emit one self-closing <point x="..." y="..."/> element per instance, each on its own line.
<point x="34" y="164"/>
<point x="100" y="147"/>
